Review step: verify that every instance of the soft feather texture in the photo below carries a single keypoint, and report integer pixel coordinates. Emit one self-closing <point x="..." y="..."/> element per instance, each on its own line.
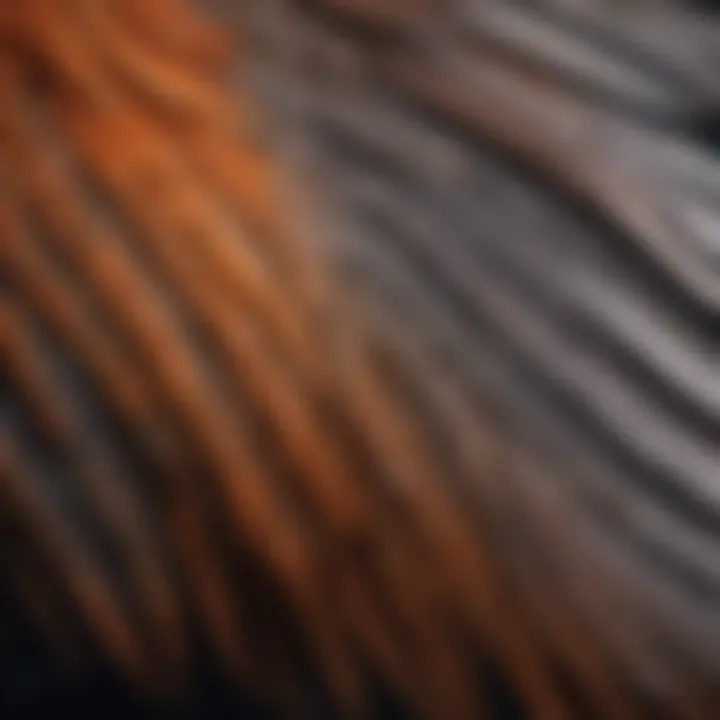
<point x="403" y="373"/>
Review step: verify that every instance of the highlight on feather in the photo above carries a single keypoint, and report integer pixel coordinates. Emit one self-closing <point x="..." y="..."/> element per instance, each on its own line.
<point x="207" y="446"/>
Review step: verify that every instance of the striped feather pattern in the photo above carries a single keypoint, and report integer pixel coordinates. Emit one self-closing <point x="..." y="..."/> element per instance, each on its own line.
<point x="387" y="360"/>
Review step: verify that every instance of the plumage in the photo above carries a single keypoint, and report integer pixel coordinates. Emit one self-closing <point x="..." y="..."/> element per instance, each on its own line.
<point x="362" y="354"/>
